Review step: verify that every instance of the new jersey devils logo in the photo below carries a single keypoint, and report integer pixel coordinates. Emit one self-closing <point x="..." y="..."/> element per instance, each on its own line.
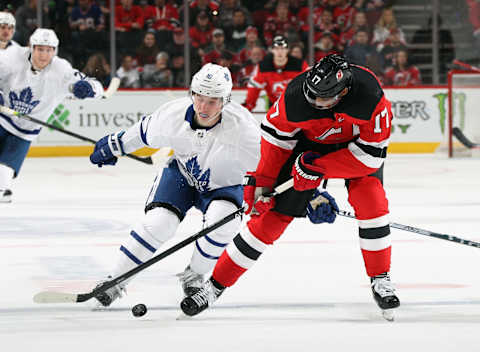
<point x="339" y="75"/>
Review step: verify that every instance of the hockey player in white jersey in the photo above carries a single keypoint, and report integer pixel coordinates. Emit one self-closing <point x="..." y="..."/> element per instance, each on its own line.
<point x="33" y="81"/>
<point x="215" y="142"/>
<point x="7" y="29"/>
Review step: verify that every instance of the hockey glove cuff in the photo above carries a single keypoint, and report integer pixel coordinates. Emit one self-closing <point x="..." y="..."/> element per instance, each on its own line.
<point x="107" y="149"/>
<point x="253" y="188"/>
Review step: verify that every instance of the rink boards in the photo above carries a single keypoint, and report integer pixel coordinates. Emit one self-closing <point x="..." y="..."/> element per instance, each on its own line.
<point x="419" y="125"/>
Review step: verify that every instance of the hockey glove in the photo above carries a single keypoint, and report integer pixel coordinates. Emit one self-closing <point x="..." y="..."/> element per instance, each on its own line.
<point x="253" y="188"/>
<point x="107" y="149"/>
<point x="82" y="89"/>
<point x="304" y="178"/>
<point x="322" y="208"/>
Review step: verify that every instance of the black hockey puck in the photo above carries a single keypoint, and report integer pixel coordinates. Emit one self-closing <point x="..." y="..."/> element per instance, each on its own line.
<point x="139" y="310"/>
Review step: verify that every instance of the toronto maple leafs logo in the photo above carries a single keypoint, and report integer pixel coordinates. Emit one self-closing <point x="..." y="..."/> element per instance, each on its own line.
<point x="195" y="176"/>
<point x="23" y="103"/>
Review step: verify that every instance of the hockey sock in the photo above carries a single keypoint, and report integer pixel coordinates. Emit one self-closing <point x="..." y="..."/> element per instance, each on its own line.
<point x="247" y="246"/>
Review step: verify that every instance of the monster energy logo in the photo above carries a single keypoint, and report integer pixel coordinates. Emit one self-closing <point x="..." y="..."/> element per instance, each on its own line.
<point x="59" y="117"/>
<point x="458" y="105"/>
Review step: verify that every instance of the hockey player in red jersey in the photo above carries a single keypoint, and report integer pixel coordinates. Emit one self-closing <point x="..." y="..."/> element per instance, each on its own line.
<point x="332" y="121"/>
<point x="273" y="73"/>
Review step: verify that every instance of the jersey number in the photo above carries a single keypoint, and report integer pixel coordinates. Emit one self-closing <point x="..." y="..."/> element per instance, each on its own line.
<point x="276" y="113"/>
<point x="378" y="128"/>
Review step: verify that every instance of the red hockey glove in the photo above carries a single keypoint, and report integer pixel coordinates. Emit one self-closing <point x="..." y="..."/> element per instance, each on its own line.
<point x="304" y="176"/>
<point x="253" y="188"/>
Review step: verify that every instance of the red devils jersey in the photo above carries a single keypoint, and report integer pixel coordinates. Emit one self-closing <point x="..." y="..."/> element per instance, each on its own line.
<point x="361" y="121"/>
<point x="407" y="77"/>
<point x="273" y="79"/>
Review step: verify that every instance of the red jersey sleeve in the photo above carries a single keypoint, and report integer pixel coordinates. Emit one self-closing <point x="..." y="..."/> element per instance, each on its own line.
<point x="367" y="153"/>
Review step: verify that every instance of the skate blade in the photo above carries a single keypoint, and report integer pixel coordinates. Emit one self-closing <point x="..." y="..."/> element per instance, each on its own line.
<point x="388" y="314"/>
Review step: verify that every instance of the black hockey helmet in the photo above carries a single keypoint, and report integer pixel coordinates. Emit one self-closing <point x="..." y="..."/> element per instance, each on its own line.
<point x="280" y="41"/>
<point x="327" y="78"/>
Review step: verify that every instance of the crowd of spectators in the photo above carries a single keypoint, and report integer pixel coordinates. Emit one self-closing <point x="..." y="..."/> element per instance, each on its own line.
<point x="233" y="33"/>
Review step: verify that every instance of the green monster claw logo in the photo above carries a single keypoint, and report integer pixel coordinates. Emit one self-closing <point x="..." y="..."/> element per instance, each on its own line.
<point x="459" y="100"/>
<point x="59" y="117"/>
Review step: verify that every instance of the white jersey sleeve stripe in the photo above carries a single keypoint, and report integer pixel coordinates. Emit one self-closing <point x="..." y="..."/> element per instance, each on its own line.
<point x="365" y="156"/>
<point x="269" y="125"/>
<point x="284" y="144"/>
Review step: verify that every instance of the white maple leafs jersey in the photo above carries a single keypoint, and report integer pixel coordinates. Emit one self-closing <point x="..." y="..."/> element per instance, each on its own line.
<point x="208" y="158"/>
<point x="35" y="93"/>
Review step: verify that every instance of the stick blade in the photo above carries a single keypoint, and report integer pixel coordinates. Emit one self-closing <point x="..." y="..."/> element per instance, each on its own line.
<point x="112" y="88"/>
<point x="55" y="297"/>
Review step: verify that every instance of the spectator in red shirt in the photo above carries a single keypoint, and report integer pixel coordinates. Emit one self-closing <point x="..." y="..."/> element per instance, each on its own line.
<point x="474" y="16"/>
<point x="256" y="54"/>
<point x="214" y="50"/>
<point x="176" y="50"/>
<point x="402" y="73"/>
<point x="201" y="33"/>
<point x="373" y="8"/>
<point x="128" y="24"/>
<point x="304" y="12"/>
<point x="325" y="46"/>
<point x="343" y="13"/>
<point x="251" y="42"/>
<point x="148" y="50"/>
<point x="282" y="22"/>
<point x="359" y="21"/>
<point x="161" y="17"/>
<point x="208" y="6"/>
<point x="327" y="25"/>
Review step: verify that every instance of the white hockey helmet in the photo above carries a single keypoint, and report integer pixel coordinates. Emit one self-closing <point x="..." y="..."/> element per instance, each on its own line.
<point x="7" y="18"/>
<point x="213" y="81"/>
<point x="44" y="36"/>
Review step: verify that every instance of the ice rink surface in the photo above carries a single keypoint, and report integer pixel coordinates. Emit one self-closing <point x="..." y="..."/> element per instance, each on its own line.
<point x="309" y="292"/>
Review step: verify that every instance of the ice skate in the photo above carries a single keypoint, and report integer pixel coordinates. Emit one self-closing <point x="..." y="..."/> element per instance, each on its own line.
<point x="384" y="294"/>
<point x="106" y="298"/>
<point x="5" y="196"/>
<point x="190" y="280"/>
<point x="202" y="299"/>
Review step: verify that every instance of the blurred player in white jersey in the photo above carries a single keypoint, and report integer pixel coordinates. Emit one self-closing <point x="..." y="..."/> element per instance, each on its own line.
<point x="215" y="142"/>
<point x="33" y="81"/>
<point x="7" y="29"/>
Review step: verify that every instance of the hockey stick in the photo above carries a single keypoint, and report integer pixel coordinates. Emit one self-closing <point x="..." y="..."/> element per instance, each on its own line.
<point x="112" y="88"/>
<point x="60" y="297"/>
<point x="8" y="111"/>
<point x="465" y="65"/>
<point x="422" y="231"/>
<point x="457" y="132"/>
